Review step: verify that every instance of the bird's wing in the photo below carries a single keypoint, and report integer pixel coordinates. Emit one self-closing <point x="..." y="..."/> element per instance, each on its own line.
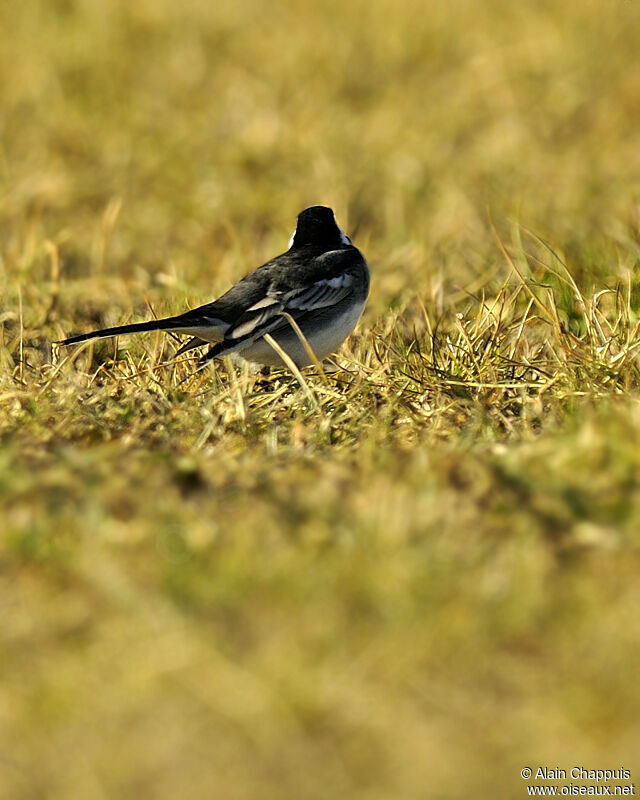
<point x="289" y="282"/>
<point x="267" y="314"/>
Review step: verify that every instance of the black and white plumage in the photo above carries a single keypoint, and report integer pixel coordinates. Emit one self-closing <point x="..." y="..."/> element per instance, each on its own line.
<point x="322" y="282"/>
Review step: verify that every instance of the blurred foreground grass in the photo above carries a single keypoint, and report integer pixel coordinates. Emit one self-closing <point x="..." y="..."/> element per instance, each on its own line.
<point x="426" y="578"/>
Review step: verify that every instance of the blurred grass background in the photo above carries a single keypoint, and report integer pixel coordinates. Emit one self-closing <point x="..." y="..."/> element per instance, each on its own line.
<point x="430" y="582"/>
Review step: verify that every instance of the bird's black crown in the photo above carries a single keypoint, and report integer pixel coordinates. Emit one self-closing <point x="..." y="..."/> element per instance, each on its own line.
<point x="317" y="227"/>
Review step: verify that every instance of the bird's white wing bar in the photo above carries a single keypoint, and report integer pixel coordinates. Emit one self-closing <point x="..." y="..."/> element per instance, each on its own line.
<point x="256" y="316"/>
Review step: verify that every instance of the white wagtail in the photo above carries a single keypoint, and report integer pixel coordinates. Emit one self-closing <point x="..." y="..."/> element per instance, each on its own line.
<point x="322" y="282"/>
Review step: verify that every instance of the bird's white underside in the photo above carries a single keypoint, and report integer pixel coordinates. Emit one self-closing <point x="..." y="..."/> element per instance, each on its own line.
<point x="323" y="342"/>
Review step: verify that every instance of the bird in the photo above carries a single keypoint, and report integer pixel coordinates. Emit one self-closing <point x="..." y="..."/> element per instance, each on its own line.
<point x="322" y="282"/>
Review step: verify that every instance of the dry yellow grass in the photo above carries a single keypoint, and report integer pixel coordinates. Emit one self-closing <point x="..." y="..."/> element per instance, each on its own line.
<point x="417" y="576"/>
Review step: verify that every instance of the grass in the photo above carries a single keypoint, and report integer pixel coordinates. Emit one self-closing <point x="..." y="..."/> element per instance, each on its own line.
<point x="408" y="577"/>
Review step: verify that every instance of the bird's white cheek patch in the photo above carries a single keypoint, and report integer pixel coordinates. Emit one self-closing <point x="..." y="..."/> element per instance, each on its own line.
<point x="344" y="239"/>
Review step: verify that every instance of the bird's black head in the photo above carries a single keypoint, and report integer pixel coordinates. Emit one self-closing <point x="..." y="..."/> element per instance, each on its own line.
<point x="317" y="227"/>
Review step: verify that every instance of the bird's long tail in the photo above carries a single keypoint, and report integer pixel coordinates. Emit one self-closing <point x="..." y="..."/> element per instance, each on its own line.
<point x="167" y="324"/>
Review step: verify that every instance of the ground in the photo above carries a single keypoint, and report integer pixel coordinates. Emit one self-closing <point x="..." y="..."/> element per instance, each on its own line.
<point x="409" y="577"/>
